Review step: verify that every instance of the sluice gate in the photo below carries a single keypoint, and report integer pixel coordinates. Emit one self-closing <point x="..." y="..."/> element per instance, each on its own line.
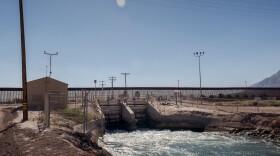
<point x="125" y="116"/>
<point x="141" y="114"/>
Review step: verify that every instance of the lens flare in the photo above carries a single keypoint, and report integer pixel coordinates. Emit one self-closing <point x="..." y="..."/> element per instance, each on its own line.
<point x="121" y="3"/>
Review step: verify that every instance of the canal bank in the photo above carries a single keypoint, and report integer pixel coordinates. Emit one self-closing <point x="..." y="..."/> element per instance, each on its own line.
<point x="259" y="125"/>
<point x="197" y="131"/>
<point x="259" y="128"/>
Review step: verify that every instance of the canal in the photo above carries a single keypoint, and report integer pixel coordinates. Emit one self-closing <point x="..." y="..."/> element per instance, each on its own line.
<point x="179" y="143"/>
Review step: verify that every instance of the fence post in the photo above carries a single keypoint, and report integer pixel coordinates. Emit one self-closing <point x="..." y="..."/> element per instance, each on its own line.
<point x="47" y="109"/>
<point x="258" y="106"/>
<point x="76" y="100"/>
<point x="216" y="103"/>
<point x="197" y="102"/>
<point x="236" y="106"/>
<point x="191" y="101"/>
<point x="84" y="105"/>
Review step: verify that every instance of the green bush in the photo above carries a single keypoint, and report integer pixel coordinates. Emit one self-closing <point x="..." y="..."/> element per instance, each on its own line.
<point x="255" y="103"/>
<point x="275" y="104"/>
<point x="77" y="114"/>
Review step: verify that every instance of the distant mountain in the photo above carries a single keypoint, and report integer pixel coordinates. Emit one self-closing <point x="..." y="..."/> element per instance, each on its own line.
<point x="273" y="81"/>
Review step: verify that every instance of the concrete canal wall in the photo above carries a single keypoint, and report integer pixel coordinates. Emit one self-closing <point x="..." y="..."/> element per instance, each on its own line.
<point x="192" y="121"/>
<point x="133" y="116"/>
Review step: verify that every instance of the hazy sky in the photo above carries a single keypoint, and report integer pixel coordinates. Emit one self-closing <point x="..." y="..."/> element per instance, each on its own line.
<point x="154" y="40"/>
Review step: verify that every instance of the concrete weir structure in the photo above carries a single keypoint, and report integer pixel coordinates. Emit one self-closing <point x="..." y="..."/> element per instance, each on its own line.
<point x="194" y="122"/>
<point x="128" y="117"/>
<point x="125" y="116"/>
<point x="147" y="115"/>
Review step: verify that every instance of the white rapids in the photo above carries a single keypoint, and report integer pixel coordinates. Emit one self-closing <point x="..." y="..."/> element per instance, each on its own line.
<point x="165" y="142"/>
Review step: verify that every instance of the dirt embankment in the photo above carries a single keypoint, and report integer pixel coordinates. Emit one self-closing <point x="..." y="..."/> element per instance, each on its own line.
<point x="265" y="126"/>
<point x="8" y="145"/>
<point x="260" y="125"/>
<point x="25" y="138"/>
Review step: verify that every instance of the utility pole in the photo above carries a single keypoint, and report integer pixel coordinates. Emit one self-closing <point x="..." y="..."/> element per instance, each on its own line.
<point x="112" y="79"/>
<point x="178" y="83"/>
<point x="199" y="54"/>
<point x="125" y="74"/>
<point x="102" y="85"/>
<point x="95" y="81"/>
<point x="50" y="54"/>
<point x="23" y="64"/>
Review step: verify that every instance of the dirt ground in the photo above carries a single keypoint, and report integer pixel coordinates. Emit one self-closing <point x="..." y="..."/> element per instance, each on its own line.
<point x="17" y="138"/>
<point x="24" y="138"/>
<point x="170" y="107"/>
<point x="8" y="145"/>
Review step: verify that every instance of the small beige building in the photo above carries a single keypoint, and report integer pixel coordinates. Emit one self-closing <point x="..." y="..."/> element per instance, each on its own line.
<point x="37" y="89"/>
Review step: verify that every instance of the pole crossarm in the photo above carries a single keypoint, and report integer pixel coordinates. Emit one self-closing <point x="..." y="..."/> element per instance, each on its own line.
<point x="50" y="54"/>
<point x="102" y="84"/>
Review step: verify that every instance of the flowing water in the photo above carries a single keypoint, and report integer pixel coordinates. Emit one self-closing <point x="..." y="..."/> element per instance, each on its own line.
<point x="165" y="142"/>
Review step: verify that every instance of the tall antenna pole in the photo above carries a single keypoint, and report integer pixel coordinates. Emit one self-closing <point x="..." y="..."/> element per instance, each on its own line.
<point x="112" y="79"/>
<point x="199" y="54"/>
<point x="50" y="54"/>
<point x="125" y="74"/>
<point x="23" y="61"/>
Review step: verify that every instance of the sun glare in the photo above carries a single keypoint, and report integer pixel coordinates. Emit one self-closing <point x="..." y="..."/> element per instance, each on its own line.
<point x="121" y="3"/>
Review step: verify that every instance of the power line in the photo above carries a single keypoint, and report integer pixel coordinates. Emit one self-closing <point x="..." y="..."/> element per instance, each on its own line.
<point x="224" y="5"/>
<point x="268" y="4"/>
<point x="190" y="8"/>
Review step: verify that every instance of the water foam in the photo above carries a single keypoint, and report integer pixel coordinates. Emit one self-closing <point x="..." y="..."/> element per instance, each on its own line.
<point x="165" y="142"/>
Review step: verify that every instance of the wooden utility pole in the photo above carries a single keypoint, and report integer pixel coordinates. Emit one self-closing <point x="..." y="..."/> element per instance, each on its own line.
<point x="125" y="74"/>
<point x="112" y="79"/>
<point x="23" y="57"/>
<point x="102" y="85"/>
